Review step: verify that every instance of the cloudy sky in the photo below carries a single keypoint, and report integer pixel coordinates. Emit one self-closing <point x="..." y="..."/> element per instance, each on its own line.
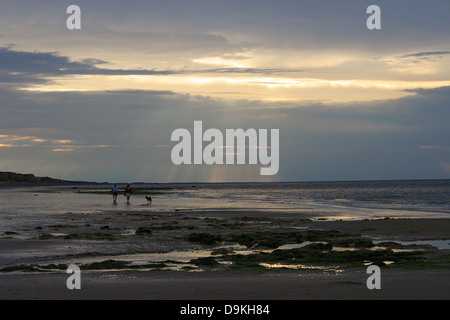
<point x="100" y="103"/>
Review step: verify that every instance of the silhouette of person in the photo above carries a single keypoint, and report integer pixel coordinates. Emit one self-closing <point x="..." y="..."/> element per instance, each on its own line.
<point x="115" y="192"/>
<point x="128" y="193"/>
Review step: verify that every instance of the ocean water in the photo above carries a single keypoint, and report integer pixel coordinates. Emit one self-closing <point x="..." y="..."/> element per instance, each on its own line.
<point x="26" y="213"/>
<point x="25" y="208"/>
<point x="429" y="195"/>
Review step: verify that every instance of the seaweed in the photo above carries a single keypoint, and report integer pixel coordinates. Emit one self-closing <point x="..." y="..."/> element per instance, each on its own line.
<point x="204" y="238"/>
<point x="273" y="240"/>
<point x="143" y="231"/>
<point x="206" y="261"/>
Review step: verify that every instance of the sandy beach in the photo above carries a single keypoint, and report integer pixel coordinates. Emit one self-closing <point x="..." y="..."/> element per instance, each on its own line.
<point x="91" y="239"/>
<point x="282" y="285"/>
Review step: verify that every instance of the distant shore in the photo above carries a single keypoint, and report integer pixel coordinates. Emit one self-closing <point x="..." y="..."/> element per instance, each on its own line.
<point x="12" y="179"/>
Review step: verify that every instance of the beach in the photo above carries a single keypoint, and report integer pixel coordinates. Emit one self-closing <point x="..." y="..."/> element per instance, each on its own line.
<point x="222" y="286"/>
<point x="229" y="285"/>
<point x="233" y="252"/>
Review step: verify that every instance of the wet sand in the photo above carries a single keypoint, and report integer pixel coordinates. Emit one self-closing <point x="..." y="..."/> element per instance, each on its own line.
<point x="282" y="284"/>
<point x="394" y="229"/>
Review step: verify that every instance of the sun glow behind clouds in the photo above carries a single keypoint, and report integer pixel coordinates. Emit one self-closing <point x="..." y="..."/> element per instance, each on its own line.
<point x="243" y="86"/>
<point x="221" y="62"/>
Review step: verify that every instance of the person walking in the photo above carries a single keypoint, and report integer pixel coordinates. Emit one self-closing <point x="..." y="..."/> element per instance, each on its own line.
<point x="128" y="193"/>
<point x="115" y="192"/>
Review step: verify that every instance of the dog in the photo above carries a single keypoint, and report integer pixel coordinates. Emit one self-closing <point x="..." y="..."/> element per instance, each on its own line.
<point x="149" y="199"/>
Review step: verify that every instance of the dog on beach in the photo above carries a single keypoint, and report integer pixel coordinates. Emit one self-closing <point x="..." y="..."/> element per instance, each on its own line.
<point x="149" y="199"/>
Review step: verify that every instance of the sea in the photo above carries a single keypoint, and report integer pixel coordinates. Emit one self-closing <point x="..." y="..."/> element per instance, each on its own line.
<point x="26" y="206"/>
<point x="25" y="210"/>
<point x="414" y="195"/>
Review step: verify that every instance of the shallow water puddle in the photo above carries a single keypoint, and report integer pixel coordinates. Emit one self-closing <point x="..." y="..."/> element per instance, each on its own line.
<point x="181" y="260"/>
<point x="368" y="263"/>
<point x="301" y="267"/>
<point x="184" y="260"/>
<point x="299" y="245"/>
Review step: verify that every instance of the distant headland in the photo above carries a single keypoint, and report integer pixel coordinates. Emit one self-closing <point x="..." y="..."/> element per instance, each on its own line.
<point x="20" y="178"/>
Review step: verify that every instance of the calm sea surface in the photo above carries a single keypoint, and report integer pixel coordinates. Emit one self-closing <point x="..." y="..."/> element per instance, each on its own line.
<point x="25" y="212"/>
<point x="27" y="207"/>
<point x="412" y="195"/>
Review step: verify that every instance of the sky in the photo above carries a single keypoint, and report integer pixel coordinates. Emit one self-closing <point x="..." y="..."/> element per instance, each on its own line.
<point x="100" y="103"/>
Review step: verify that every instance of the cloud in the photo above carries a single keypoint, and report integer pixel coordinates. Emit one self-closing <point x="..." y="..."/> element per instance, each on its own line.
<point x="100" y="131"/>
<point x="49" y="71"/>
<point x="138" y="70"/>
<point x="56" y="145"/>
<point x="50" y="63"/>
<point x="426" y="54"/>
<point x="37" y="67"/>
